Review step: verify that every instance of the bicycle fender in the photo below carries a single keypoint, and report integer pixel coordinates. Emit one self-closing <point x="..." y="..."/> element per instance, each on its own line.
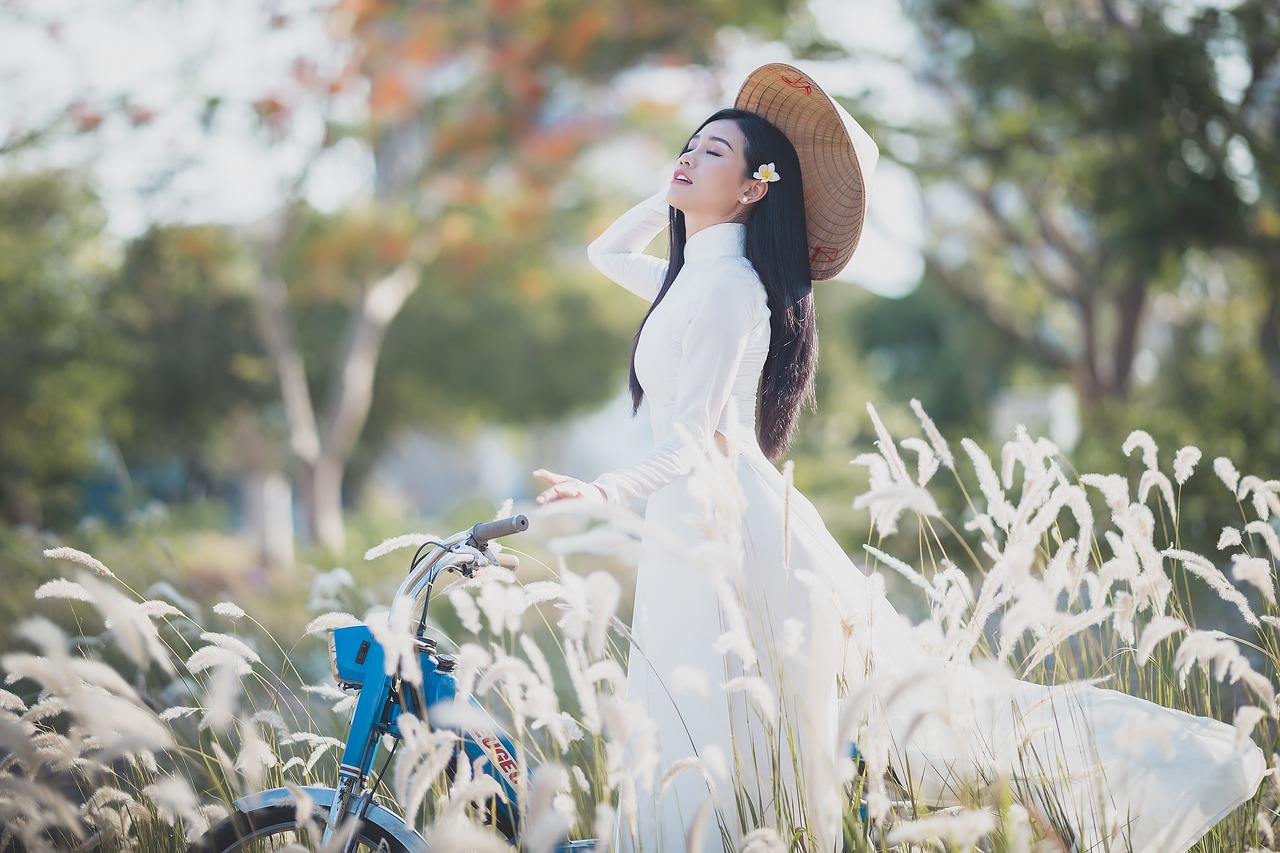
<point x="379" y="816"/>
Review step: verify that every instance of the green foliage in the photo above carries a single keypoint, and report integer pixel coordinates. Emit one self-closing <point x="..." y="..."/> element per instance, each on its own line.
<point x="181" y="310"/>
<point x="54" y="381"/>
<point x="1093" y="147"/>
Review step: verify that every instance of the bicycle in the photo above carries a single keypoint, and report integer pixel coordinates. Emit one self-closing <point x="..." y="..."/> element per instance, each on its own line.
<point x="346" y="817"/>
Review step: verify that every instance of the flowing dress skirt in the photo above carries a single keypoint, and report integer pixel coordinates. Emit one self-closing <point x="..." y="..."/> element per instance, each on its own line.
<point x="761" y="651"/>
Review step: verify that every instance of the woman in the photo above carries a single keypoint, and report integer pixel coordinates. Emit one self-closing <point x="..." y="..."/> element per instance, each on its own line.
<point x="747" y="613"/>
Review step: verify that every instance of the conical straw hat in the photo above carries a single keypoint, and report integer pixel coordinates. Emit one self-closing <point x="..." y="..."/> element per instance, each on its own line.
<point x="837" y="159"/>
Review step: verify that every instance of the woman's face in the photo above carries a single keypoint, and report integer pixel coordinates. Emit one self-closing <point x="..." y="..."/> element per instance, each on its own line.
<point x="711" y="178"/>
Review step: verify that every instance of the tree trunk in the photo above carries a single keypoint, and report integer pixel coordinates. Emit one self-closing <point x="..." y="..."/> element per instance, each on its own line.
<point x="1086" y="366"/>
<point x="322" y="502"/>
<point x="1130" y="303"/>
<point x="321" y="451"/>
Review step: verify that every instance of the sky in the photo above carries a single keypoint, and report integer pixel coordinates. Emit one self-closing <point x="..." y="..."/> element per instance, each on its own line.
<point x="169" y="57"/>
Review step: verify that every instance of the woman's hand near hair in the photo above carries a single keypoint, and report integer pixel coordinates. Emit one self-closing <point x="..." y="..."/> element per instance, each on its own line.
<point x="566" y="488"/>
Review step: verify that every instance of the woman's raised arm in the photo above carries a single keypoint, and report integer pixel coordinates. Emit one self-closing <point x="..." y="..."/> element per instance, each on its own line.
<point x="619" y="251"/>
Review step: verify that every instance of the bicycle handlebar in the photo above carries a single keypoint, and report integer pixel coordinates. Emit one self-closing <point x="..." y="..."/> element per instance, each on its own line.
<point x="485" y="531"/>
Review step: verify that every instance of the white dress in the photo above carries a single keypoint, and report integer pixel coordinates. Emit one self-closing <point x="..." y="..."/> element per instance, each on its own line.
<point x="740" y="584"/>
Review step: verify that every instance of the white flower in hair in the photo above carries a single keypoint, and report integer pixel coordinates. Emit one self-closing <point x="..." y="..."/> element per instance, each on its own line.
<point x="766" y="174"/>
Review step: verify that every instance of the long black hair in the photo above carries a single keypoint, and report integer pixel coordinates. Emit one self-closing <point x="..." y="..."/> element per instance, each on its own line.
<point x="777" y="246"/>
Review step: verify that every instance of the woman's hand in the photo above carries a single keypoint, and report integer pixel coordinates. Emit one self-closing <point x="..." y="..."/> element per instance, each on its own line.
<point x="565" y="488"/>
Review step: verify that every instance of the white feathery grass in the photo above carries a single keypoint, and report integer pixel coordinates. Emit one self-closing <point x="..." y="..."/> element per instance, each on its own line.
<point x="177" y="712"/>
<point x="694" y="838"/>
<point x="393" y="630"/>
<point x="1202" y="568"/>
<point x="55" y="670"/>
<point x="11" y="701"/>
<point x="1142" y="439"/>
<point x="62" y="588"/>
<point x="271" y="718"/>
<point x="998" y="507"/>
<point x="940" y="447"/>
<point x="606" y="818"/>
<point x="1184" y="463"/>
<point x="1062" y="630"/>
<point x="540" y="591"/>
<point x="1246" y="720"/>
<point x="1263" y="822"/>
<point x="537" y="659"/>
<point x="503" y="606"/>
<point x="48" y="706"/>
<point x="209" y="657"/>
<point x="254" y="758"/>
<point x="763" y="840"/>
<point x="327" y="622"/>
<point x="465" y="606"/>
<point x="167" y="590"/>
<point x="926" y="461"/>
<point x="1256" y="572"/>
<point x="900" y="567"/>
<point x="1218" y="654"/>
<point x="888" y="448"/>
<point x="395" y="543"/>
<point x="1227" y="473"/>
<point x="1159" y="628"/>
<point x="133" y="629"/>
<point x="1114" y="489"/>
<point x="1153" y="478"/>
<point x="791" y="640"/>
<point x="1268" y="534"/>
<point x="1230" y="538"/>
<point x="689" y="679"/>
<point x="887" y="505"/>
<point x="689" y="764"/>
<point x="549" y="813"/>
<point x="75" y="556"/>
<point x="323" y="691"/>
<point x="590" y="605"/>
<point x="303" y="804"/>
<point x="232" y="644"/>
<point x="1260" y="493"/>
<point x="222" y="689"/>
<point x="766" y="701"/>
<point x="159" y="609"/>
<point x="229" y="609"/>
<point x="327" y="589"/>
<point x="955" y="829"/>
<point x="173" y="798"/>
<point x="459" y="835"/>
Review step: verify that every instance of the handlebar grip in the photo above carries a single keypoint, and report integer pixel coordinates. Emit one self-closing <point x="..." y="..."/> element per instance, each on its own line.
<point x="485" y="531"/>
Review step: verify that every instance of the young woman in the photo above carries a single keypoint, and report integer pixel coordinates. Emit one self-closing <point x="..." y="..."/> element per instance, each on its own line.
<point x="748" y="616"/>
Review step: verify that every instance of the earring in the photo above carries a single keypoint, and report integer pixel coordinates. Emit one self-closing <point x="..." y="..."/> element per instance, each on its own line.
<point x="745" y="199"/>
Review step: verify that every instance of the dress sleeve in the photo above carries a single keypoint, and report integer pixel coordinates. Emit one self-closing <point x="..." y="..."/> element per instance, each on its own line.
<point x="619" y="251"/>
<point x="729" y="309"/>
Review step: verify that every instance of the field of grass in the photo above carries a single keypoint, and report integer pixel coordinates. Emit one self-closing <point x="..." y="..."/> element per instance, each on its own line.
<point x="152" y="674"/>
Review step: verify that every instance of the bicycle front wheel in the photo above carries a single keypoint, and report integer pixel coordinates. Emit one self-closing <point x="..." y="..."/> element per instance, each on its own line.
<point x="270" y="828"/>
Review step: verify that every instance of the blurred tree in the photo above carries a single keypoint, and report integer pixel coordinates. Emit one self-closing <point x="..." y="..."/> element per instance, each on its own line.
<point x="471" y="118"/>
<point x="473" y="115"/>
<point x="56" y="382"/>
<point x="181" y="311"/>
<point x="1083" y="149"/>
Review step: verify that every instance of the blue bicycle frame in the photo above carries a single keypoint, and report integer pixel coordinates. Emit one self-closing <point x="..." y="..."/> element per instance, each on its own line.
<point x="359" y="661"/>
<point x="359" y="664"/>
